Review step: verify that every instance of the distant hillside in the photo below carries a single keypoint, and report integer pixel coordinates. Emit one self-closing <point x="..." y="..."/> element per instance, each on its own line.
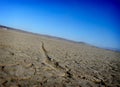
<point x="5" y="28"/>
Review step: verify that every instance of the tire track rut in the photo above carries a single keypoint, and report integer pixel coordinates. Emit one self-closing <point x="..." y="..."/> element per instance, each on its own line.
<point x="52" y="63"/>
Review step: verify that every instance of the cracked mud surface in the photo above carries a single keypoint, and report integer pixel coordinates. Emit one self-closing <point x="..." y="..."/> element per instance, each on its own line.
<point x="29" y="60"/>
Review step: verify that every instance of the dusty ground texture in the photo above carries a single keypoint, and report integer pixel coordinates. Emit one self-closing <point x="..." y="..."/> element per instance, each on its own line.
<point x="28" y="60"/>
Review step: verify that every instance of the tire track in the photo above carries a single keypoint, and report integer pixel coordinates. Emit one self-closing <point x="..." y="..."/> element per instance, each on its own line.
<point x="52" y="63"/>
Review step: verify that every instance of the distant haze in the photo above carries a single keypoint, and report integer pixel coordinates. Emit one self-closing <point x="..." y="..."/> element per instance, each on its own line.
<point x="91" y="21"/>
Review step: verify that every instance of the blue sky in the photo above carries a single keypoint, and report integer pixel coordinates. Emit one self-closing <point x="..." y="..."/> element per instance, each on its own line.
<point x="92" y="21"/>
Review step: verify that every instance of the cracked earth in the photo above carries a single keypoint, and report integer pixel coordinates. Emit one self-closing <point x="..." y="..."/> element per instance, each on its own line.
<point x="29" y="60"/>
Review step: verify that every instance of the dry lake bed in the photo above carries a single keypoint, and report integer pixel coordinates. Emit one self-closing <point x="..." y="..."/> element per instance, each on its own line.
<point x="30" y="60"/>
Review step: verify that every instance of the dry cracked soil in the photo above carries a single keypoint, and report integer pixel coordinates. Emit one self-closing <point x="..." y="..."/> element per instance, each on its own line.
<point x="30" y="60"/>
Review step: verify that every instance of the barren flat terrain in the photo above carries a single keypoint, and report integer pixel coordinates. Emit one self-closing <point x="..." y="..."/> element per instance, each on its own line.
<point x="29" y="60"/>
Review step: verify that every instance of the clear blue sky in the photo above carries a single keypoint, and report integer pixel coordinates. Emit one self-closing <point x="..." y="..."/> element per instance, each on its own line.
<point x="92" y="21"/>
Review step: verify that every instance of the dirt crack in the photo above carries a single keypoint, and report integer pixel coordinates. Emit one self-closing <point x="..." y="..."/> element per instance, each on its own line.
<point x="45" y="52"/>
<point x="52" y="63"/>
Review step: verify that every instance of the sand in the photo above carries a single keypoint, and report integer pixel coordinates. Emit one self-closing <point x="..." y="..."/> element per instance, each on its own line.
<point x="30" y="60"/>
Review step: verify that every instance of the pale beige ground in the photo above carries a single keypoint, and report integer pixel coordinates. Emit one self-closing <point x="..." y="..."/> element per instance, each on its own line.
<point x="28" y="60"/>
